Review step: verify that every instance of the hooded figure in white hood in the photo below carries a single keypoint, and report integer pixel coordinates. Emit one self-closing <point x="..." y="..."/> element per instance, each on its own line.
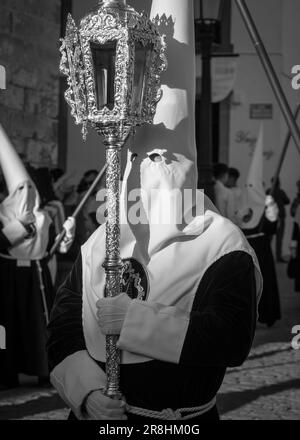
<point x="259" y="215"/>
<point x="191" y="282"/>
<point x="26" y="291"/>
<point x="24" y="237"/>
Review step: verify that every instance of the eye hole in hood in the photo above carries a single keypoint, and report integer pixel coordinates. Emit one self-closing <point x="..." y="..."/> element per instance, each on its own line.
<point x="133" y="157"/>
<point x="155" y="157"/>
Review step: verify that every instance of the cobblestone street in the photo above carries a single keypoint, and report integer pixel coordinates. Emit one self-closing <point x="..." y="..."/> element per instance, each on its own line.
<point x="266" y="387"/>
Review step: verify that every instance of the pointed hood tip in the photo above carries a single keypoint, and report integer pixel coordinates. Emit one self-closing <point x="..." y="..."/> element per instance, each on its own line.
<point x="12" y="166"/>
<point x="173" y="127"/>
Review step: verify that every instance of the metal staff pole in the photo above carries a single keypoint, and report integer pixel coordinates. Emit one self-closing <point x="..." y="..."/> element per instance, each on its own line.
<point x="113" y="262"/>
<point x="283" y="153"/>
<point x="62" y="234"/>
<point x="269" y="69"/>
<point x="43" y="291"/>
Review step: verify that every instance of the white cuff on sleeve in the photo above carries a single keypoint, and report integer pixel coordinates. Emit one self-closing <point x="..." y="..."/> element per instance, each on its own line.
<point x="75" y="377"/>
<point x="15" y="232"/>
<point x="154" y="330"/>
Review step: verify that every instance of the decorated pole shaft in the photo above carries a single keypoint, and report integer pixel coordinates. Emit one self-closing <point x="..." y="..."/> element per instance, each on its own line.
<point x="113" y="264"/>
<point x="270" y="71"/>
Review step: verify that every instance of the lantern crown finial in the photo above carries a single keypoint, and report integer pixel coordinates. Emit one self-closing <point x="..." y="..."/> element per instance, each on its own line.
<point x="112" y="3"/>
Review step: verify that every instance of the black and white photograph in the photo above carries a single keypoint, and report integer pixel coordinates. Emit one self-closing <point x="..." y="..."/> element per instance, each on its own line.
<point x="149" y="214"/>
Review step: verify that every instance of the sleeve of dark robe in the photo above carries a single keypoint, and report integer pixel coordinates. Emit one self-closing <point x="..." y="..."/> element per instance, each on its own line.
<point x="4" y="242"/>
<point x="220" y="328"/>
<point x="11" y="234"/>
<point x="65" y="328"/>
<point x="222" y="331"/>
<point x="268" y="227"/>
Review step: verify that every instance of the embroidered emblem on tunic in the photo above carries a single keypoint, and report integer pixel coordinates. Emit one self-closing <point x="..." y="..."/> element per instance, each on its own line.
<point x="134" y="279"/>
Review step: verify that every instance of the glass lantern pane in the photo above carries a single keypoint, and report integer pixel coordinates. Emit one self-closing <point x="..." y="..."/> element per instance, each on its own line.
<point x="104" y="58"/>
<point x="141" y="66"/>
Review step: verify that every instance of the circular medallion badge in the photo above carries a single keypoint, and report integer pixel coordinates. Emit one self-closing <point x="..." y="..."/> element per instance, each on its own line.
<point x="134" y="279"/>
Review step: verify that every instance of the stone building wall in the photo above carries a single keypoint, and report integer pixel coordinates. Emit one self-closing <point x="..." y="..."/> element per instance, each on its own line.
<point x="29" y="50"/>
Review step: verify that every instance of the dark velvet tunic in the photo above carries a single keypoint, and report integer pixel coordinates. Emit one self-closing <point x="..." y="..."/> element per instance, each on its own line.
<point x="220" y="333"/>
<point x="22" y="315"/>
<point x="269" y="306"/>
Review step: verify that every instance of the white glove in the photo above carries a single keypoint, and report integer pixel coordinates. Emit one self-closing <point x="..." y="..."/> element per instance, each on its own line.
<point x="100" y="407"/>
<point x="272" y="210"/>
<point x="111" y="313"/>
<point x="69" y="226"/>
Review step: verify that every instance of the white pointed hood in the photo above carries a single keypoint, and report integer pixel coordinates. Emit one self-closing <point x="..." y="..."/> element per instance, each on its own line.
<point x="23" y="197"/>
<point x="164" y="255"/>
<point x="12" y="167"/>
<point x="254" y="195"/>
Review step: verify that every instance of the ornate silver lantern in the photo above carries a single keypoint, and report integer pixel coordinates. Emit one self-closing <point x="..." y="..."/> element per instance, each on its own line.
<point x="113" y="63"/>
